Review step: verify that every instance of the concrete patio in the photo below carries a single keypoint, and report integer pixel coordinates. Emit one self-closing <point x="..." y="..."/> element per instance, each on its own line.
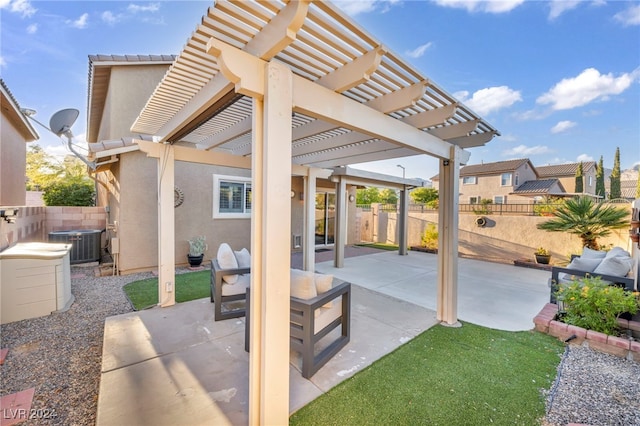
<point x="177" y="366"/>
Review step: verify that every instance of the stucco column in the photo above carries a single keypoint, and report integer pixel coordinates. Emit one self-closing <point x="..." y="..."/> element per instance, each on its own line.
<point x="166" y="228"/>
<point x="271" y="250"/>
<point x="447" y="302"/>
<point x="402" y="221"/>
<point x="341" y="223"/>
<point x="308" y="239"/>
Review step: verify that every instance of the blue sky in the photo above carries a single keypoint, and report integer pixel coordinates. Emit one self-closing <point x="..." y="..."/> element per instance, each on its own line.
<point x="559" y="79"/>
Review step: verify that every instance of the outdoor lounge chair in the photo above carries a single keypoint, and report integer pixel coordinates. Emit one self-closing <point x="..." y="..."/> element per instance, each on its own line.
<point x="591" y="264"/>
<point x="312" y="320"/>
<point x="223" y="293"/>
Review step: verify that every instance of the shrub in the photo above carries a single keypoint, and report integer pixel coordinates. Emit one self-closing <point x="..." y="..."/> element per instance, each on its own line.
<point x="430" y="237"/>
<point x="593" y="304"/>
<point x="69" y="194"/>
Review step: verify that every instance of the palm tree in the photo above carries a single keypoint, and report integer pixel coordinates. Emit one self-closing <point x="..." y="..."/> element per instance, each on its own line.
<point x="587" y="219"/>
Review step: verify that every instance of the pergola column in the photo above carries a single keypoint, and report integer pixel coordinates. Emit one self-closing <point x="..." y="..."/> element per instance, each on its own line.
<point x="402" y="221"/>
<point x="166" y="228"/>
<point x="271" y="255"/>
<point x="308" y="239"/>
<point x="447" y="297"/>
<point x="341" y="223"/>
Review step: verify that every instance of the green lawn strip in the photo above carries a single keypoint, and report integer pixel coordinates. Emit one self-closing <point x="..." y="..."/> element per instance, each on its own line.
<point x="381" y="246"/>
<point x="447" y="376"/>
<point x="189" y="286"/>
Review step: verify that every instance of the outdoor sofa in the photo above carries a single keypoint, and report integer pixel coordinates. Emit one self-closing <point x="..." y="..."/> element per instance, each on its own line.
<point x="615" y="266"/>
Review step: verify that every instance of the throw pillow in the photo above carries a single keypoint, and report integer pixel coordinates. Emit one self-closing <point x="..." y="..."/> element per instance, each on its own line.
<point x="617" y="266"/>
<point x="617" y="251"/>
<point x="303" y="285"/>
<point x="588" y="253"/>
<point x="244" y="258"/>
<point x="580" y="264"/>
<point x="227" y="260"/>
<point x="324" y="284"/>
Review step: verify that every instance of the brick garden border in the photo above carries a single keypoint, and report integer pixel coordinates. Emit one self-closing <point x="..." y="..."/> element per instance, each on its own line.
<point x="545" y="322"/>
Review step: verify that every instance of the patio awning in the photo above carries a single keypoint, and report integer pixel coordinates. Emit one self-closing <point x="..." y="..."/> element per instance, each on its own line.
<point x="319" y="43"/>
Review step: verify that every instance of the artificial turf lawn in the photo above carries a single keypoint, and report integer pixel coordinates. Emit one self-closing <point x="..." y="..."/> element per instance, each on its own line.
<point x="447" y="376"/>
<point x="189" y="286"/>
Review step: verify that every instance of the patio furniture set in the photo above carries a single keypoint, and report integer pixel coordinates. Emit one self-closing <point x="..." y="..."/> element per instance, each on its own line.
<point x="320" y="311"/>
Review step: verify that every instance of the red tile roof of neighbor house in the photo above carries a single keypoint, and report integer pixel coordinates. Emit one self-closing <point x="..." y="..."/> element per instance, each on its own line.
<point x="568" y="169"/>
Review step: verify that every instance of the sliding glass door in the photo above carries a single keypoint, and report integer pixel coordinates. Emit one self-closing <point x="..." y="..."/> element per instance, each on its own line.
<point x="325" y="218"/>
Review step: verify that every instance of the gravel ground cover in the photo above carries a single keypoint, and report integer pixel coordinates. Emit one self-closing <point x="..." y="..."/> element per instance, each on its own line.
<point x="60" y="356"/>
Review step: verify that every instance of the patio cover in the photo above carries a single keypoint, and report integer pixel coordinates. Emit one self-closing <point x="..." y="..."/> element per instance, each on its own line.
<point x="296" y="87"/>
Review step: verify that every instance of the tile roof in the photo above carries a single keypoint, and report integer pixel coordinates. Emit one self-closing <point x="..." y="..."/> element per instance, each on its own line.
<point x="568" y="169"/>
<point x="131" y="58"/>
<point x="537" y="186"/>
<point x="495" y="168"/>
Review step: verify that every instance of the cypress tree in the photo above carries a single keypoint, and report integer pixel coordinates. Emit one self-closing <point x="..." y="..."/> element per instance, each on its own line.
<point x="579" y="179"/>
<point x="615" y="177"/>
<point x="600" y="179"/>
<point x="638" y="185"/>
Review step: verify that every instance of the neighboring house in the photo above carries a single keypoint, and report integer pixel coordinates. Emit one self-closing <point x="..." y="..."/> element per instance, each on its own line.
<point x="497" y="182"/>
<point x="214" y="201"/>
<point x="16" y="132"/>
<point x="566" y="174"/>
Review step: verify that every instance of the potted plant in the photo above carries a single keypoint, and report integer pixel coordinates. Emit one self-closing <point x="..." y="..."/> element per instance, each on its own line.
<point x="542" y="256"/>
<point x="197" y="247"/>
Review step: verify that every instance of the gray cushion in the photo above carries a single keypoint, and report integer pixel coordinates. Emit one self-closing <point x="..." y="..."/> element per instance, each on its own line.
<point x="244" y="258"/>
<point x="588" y="253"/>
<point x="580" y="264"/>
<point x="617" y="252"/>
<point x="617" y="266"/>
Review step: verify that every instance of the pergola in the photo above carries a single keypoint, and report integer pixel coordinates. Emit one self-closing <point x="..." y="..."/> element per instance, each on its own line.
<point x="295" y="88"/>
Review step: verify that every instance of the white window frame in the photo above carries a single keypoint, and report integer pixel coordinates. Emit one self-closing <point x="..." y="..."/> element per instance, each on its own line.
<point x="503" y="199"/>
<point x="475" y="200"/>
<point x="217" y="180"/>
<point x="502" y="176"/>
<point x="470" y="180"/>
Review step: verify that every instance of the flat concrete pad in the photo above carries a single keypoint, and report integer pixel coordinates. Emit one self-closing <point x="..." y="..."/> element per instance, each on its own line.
<point x="167" y="366"/>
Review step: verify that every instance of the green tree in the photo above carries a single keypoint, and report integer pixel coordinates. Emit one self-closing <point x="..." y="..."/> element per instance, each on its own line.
<point x="589" y="220"/>
<point x="615" y="177"/>
<point x="600" y="178"/>
<point x="42" y="169"/>
<point x="424" y="195"/>
<point x="69" y="194"/>
<point x="368" y="195"/>
<point x="638" y="185"/>
<point x="388" y="196"/>
<point x="579" y="179"/>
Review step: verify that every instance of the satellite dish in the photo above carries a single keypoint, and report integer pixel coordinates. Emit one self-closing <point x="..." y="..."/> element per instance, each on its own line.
<point x="62" y="120"/>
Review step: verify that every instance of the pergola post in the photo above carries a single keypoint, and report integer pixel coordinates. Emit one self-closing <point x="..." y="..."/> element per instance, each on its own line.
<point x="447" y="297"/>
<point x="308" y="239"/>
<point x="271" y="256"/>
<point x="402" y="221"/>
<point x="341" y="223"/>
<point x="166" y="228"/>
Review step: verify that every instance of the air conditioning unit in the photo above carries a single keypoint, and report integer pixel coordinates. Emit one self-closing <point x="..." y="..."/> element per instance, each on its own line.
<point x="85" y="244"/>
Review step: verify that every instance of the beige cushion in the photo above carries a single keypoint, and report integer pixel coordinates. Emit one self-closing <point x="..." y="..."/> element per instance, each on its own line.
<point x="324" y="283"/>
<point x="303" y="285"/>
<point x="239" y="287"/>
<point x="244" y="258"/>
<point x="227" y="260"/>
<point x="323" y="316"/>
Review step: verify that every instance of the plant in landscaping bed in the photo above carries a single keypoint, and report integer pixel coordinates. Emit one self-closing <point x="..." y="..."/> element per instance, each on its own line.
<point x="430" y="237"/>
<point x="593" y="304"/>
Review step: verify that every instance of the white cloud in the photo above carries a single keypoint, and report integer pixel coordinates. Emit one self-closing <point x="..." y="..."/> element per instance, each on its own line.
<point x="558" y="7"/>
<point x="630" y="16"/>
<point x="81" y="22"/>
<point x="419" y="51"/>
<point x="485" y="101"/>
<point x="590" y="85"/>
<point x="108" y="17"/>
<point x="23" y="7"/>
<point x="584" y="157"/>
<point x="525" y="151"/>
<point x="488" y="6"/>
<point x="151" y="7"/>
<point x="563" y="126"/>
<point x="32" y="29"/>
